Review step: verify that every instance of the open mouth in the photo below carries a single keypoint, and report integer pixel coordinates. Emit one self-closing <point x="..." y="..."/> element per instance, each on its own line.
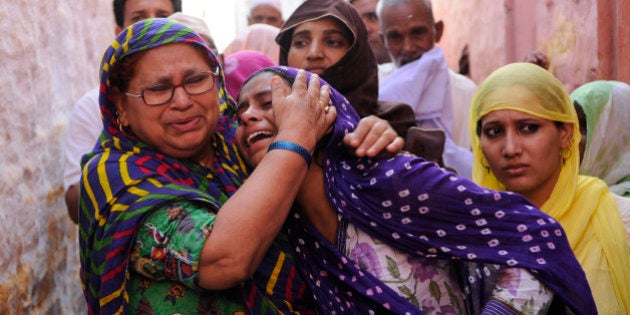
<point x="257" y="136"/>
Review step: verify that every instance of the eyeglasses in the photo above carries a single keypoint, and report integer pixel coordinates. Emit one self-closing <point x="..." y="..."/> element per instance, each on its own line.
<point x="162" y="93"/>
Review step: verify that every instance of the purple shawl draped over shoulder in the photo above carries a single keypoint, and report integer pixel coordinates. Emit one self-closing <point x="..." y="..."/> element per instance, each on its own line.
<point x="424" y="211"/>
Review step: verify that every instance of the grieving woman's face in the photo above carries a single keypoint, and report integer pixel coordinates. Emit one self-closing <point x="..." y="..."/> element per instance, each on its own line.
<point x="256" y="124"/>
<point x="183" y="125"/>
<point x="317" y="45"/>
<point x="524" y="151"/>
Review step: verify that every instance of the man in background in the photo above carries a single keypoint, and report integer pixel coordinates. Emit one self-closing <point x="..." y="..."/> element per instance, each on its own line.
<point x="367" y="11"/>
<point x="422" y="78"/>
<point x="265" y="12"/>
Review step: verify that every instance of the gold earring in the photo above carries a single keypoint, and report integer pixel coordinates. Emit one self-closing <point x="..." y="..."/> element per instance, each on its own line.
<point x="486" y="165"/>
<point x="120" y="125"/>
<point x="565" y="155"/>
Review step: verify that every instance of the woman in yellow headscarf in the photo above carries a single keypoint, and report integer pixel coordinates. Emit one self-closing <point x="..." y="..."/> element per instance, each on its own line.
<point x="525" y="140"/>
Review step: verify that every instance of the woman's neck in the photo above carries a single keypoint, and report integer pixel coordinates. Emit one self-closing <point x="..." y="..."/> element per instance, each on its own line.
<point x="206" y="158"/>
<point x="314" y="203"/>
<point x="541" y="194"/>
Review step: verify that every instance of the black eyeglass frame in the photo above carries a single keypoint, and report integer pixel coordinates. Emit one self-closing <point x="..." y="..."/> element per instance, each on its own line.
<point x="214" y="73"/>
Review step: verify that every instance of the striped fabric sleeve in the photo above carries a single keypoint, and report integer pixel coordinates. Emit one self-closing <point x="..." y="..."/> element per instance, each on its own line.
<point x="495" y="307"/>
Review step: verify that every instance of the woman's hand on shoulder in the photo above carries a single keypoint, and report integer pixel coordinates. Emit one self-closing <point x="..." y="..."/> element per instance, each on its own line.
<point x="374" y="137"/>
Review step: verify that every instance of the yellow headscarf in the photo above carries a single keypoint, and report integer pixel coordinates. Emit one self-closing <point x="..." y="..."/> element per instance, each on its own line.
<point x="582" y="204"/>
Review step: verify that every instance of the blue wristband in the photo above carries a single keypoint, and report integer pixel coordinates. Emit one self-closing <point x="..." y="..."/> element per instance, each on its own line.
<point x="287" y="145"/>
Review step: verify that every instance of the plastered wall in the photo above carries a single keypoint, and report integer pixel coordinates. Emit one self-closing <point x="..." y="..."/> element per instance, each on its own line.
<point x="584" y="40"/>
<point x="49" y="54"/>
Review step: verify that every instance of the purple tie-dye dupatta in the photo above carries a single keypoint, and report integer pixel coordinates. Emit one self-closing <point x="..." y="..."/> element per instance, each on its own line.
<point x="424" y="211"/>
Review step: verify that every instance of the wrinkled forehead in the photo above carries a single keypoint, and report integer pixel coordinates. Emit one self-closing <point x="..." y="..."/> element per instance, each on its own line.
<point x="258" y="83"/>
<point x="406" y="12"/>
<point x="265" y="10"/>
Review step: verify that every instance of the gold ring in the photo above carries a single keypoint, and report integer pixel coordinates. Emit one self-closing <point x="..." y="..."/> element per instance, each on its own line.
<point x="326" y="109"/>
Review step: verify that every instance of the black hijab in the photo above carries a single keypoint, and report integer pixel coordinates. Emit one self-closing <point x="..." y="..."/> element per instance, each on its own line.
<point x="355" y="75"/>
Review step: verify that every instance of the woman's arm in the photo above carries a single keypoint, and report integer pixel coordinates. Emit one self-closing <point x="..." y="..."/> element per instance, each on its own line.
<point x="249" y="221"/>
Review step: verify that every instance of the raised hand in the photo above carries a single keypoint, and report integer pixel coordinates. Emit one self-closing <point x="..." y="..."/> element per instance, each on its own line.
<point x="301" y="113"/>
<point x="374" y="137"/>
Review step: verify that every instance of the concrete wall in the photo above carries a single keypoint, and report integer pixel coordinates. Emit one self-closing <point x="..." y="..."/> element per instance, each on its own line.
<point x="49" y="55"/>
<point x="584" y="40"/>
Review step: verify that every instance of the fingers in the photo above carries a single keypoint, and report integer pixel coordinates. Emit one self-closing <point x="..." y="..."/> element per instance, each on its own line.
<point x="300" y="111"/>
<point x="330" y="114"/>
<point x="300" y="85"/>
<point x="277" y="88"/>
<point x="313" y="84"/>
<point x="396" y="146"/>
<point x="372" y="137"/>
<point x="324" y="98"/>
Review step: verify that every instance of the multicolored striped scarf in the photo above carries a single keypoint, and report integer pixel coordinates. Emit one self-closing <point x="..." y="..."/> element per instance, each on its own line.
<point x="124" y="179"/>
<point x="424" y="211"/>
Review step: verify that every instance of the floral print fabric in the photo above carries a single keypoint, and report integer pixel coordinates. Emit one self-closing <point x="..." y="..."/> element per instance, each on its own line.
<point x="165" y="259"/>
<point x="430" y="284"/>
<point x="426" y="283"/>
<point x="519" y="289"/>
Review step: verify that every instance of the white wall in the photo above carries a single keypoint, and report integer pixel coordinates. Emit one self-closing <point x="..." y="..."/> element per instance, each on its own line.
<point x="226" y="18"/>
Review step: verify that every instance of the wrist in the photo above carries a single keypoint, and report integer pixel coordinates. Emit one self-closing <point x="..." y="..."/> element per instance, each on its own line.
<point x="293" y="147"/>
<point x="304" y="138"/>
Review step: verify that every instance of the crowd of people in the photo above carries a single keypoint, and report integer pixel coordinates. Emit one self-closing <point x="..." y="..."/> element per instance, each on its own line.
<point x="330" y="162"/>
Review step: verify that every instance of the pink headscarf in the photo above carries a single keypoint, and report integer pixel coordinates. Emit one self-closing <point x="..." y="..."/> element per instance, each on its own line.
<point x="259" y="37"/>
<point x="240" y="65"/>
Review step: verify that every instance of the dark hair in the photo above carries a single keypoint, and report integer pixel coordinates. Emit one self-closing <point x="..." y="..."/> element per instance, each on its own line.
<point x="122" y="72"/>
<point x="579" y="110"/>
<point x="119" y="10"/>
<point x="285" y="76"/>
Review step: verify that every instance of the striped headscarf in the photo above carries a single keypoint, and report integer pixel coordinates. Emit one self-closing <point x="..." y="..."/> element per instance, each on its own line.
<point x="124" y="179"/>
<point x="420" y="209"/>
<point x="582" y="204"/>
